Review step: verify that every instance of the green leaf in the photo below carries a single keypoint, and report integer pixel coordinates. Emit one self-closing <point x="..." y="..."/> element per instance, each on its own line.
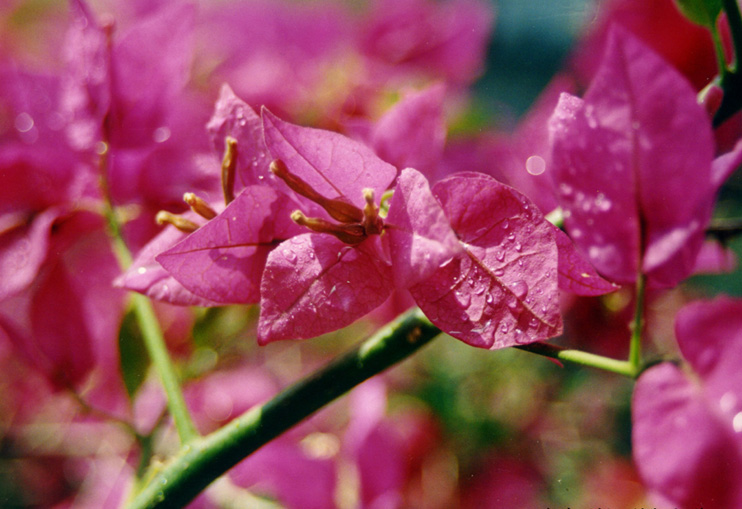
<point x="703" y="12"/>
<point x="133" y="356"/>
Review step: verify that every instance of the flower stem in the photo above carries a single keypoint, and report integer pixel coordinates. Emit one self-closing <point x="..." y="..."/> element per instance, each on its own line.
<point x="734" y="18"/>
<point x="152" y="336"/>
<point x="635" y="344"/>
<point x="731" y="79"/>
<point x="154" y="342"/>
<point x="583" y="358"/>
<point x="204" y="459"/>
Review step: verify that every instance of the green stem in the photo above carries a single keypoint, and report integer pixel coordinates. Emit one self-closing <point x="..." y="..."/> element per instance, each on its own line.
<point x="734" y="18"/>
<point x="154" y="342"/>
<point x="721" y="60"/>
<point x="635" y="344"/>
<point x="206" y="458"/>
<point x="731" y="79"/>
<point x="152" y="336"/>
<point x="582" y="358"/>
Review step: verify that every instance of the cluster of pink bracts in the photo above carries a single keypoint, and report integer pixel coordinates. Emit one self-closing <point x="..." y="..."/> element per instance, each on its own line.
<point x="370" y="210"/>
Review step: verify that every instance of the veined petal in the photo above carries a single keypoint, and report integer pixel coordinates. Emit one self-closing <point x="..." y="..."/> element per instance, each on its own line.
<point x="223" y="260"/>
<point x="314" y="284"/>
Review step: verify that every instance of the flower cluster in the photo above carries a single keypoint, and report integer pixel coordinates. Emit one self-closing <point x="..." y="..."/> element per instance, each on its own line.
<point x="344" y="175"/>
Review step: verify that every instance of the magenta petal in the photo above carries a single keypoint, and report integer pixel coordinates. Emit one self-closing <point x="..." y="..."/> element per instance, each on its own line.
<point x="412" y="133"/>
<point x="314" y="284"/>
<point x="233" y="117"/>
<point x="502" y="289"/>
<point x="223" y="260"/>
<point x="710" y="337"/>
<point x="333" y="165"/>
<point x="22" y="251"/>
<point x="576" y="275"/>
<point x="686" y="454"/>
<point x="420" y="235"/>
<point x="714" y="258"/>
<point x="629" y="176"/>
<point x="147" y="276"/>
<point x="85" y="94"/>
<point x="724" y="165"/>
<point x="144" y="75"/>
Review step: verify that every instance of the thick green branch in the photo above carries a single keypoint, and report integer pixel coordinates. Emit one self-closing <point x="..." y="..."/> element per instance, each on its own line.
<point x="203" y="460"/>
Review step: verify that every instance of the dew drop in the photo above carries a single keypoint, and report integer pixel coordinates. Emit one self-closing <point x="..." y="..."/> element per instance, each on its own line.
<point x="479" y="290"/>
<point x="464" y="298"/>
<point x="504" y="328"/>
<point x="518" y="247"/>
<point x="311" y="255"/>
<point x="535" y="165"/>
<point x="498" y="272"/>
<point x="519" y="288"/>
<point x="533" y="323"/>
<point x="289" y="255"/>
<point x="518" y="335"/>
<point x="489" y="298"/>
<point x="500" y="255"/>
<point x="505" y="224"/>
<point x="602" y="203"/>
<point x="511" y="237"/>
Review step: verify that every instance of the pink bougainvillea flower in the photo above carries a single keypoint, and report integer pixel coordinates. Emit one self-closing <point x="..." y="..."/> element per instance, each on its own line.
<point x="687" y="435"/>
<point x="481" y="261"/>
<point x="319" y="282"/>
<point x="637" y="190"/>
<point x="224" y="259"/>
<point x="150" y="278"/>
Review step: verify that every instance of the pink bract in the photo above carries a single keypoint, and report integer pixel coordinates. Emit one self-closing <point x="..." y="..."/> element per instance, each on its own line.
<point x="314" y="284"/>
<point x="687" y="429"/>
<point x="634" y="164"/>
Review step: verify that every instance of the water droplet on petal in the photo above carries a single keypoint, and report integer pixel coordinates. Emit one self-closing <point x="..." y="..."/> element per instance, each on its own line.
<point x="500" y="255"/>
<point x="505" y="224"/>
<point x="518" y="247"/>
<point x="519" y="336"/>
<point x="504" y="328"/>
<point x="289" y="255"/>
<point x="489" y="298"/>
<point x="446" y="262"/>
<point x="498" y="272"/>
<point x="519" y="288"/>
